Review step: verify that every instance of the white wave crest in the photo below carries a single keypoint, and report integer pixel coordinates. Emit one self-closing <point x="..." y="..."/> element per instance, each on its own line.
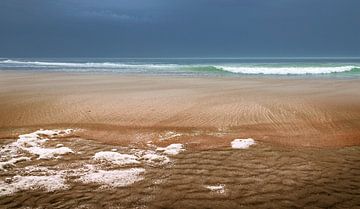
<point x="87" y="64"/>
<point x="286" y="70"/>
<point x="182" y="68"/>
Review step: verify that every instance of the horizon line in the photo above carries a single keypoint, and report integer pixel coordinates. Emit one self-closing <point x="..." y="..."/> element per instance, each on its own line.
<point x="299" y="57"/>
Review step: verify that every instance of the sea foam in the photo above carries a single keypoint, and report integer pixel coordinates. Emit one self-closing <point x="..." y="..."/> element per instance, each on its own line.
<point x="154" y="158"/>
<point x="285" y="70"/>
<point x="32" y="143"/>
<point x="116" y="158"/>
<point x="219" y="188"/>
<point x="21" y="183"/>
<point x="114" y="178"/>
<point x="172" y="149"/>
<point x="12" y="162"/>
<point x="242" y="143"/>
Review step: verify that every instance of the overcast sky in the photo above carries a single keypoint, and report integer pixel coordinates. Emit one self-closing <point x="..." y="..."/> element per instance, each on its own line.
<point x="179" y="28"/>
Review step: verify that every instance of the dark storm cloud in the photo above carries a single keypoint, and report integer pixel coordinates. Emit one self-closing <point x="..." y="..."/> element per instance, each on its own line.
<point x="179" y="28"/>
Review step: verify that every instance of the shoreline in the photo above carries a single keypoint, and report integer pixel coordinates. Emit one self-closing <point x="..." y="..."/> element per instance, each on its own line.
<point x="122" y="109"/>
<point x="227" y="75"/>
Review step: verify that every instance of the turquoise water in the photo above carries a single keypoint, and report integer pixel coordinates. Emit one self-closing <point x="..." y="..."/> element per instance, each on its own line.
<point x="328" y="67"/>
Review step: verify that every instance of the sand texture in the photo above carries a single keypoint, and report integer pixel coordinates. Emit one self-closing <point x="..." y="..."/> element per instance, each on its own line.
<point x="116" y="109"/>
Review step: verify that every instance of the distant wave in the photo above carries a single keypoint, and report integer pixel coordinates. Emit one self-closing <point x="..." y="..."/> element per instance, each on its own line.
<point x="188" y="68"/>
<point x="86" y="64"/>
<point x="288" y="70"/>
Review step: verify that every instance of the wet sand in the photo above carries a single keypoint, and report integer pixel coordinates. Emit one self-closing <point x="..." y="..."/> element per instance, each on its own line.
<point x="210" y="112"/>
<point x="263" y="176"/>
<point x="306" y="155"/>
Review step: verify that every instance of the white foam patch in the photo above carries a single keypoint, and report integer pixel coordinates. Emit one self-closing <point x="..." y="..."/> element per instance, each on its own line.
<point x="33" y="143"/>
<point x="114" y="178"/>
<point x="220" y="188"/>
<point x="242" y="143"/>
<point x="48" y="153"/>
<point x="153" y="158"/>
<point x="54" y="177"/>
<point x="40" y="171"/>
<point x="21" y="183"/>
<point x="12" y="162"/>
<point x="37" y="138"/>
<point x="116" y="158"/>
<point x="8" y="151"/>
<point x="172" y="149"/>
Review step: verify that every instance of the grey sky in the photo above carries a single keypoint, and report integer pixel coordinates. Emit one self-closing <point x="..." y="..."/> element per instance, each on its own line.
<point x="179" y="28"/>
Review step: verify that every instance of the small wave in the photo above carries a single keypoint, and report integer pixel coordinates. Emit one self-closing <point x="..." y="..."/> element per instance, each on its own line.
<point x="185" y="68"/>
<point x="288" y="70"/>
<point x="87" y="64"/>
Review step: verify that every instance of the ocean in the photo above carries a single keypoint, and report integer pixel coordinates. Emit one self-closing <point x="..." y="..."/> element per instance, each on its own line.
<point x="233" y="67"/>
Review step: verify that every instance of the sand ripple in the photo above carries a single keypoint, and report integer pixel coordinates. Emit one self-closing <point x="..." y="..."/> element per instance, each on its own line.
<point x="262" y="176"/>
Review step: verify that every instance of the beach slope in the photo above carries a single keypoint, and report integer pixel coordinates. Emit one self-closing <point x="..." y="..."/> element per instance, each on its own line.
<point x="121" y="109"/>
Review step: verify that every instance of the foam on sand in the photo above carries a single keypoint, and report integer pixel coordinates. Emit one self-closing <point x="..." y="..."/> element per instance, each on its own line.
<point x="153" y="158"/>
<point x="50" y="179"/>
<point x="220" y="188"/>
<point x="242" y="143"/>
<point x="47" y="153"/>
<point x="21" y="183"/>
<point x="12" y="162"/>
<point x="172" y="149"/>
<point x="116" y="158"/>
<point x="35" y="170"/>
<point x="33" y="143"/>
<point x="37" y="137"/>
<point x="114" y="178"/>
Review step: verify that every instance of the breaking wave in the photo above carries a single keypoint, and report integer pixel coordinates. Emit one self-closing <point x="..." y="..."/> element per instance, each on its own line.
<point x="266" y="69"/>
<point x="84" y="65"/>
<point x="288" y="70"/>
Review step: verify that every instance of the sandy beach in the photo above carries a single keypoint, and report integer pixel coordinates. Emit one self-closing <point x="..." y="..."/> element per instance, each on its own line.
<point x="74" y="140"/>
<point x="113" y="108"/>
<point x="127" y="109"/>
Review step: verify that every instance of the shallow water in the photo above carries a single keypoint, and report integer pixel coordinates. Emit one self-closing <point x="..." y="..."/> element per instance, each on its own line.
<point x="262" y="176"/>
<point x="232" y="67"/>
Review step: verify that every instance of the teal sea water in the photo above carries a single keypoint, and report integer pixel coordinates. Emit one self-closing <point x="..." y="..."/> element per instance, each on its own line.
<point x="319" y="67"/>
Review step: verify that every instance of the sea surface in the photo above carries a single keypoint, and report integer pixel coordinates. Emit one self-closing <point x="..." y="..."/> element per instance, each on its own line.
<point x="232" y="67"/>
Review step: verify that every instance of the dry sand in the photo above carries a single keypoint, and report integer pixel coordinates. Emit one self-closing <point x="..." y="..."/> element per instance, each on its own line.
<point x="208" y="112"/>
